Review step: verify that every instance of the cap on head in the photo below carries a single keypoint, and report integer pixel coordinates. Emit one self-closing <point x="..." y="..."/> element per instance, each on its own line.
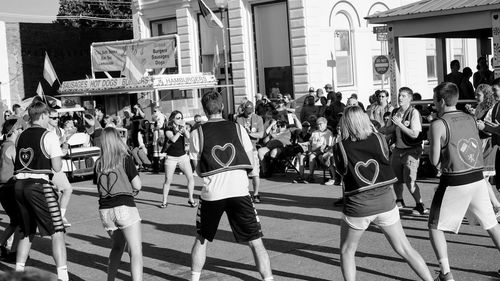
<point x="311" y="89"/>
<point x="329" y="87"/>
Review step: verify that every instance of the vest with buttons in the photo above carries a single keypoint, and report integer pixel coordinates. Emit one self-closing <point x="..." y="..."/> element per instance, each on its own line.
<point x="221" y="148"/>
<point x="368" y="165"/>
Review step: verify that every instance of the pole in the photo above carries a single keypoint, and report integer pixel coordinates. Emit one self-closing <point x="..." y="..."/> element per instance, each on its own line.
<point x="226" y="68"/>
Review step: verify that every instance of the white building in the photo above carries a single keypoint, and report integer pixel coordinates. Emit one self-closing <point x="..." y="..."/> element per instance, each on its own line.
<point x="292" y="45"/>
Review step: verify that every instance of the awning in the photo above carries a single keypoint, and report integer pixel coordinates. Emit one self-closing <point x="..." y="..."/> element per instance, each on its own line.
<point x="440" y="18"/>
<point x="98" y="87"/>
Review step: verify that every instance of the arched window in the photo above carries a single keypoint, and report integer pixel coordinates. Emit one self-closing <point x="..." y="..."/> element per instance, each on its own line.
<point x="343" y="50"/>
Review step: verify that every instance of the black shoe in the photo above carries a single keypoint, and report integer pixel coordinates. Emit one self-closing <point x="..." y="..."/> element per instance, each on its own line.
<point x="420" y="210"/>
<point x="3" y="252"/>
<point x="256" y="198"/>
<point x="400" y="203"/>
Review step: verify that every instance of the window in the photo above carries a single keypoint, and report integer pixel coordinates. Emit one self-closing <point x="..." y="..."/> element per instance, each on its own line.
<point x="163" y="27"/>
<point x="343" y="50"/>
<point x="430" y="46"/>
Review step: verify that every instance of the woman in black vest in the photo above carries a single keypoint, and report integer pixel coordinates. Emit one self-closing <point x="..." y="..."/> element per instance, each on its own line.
<point x="176" y="136"/>
<point x="362" y="157"/>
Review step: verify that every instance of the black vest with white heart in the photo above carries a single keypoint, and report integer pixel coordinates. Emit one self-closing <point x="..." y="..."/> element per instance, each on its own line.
<point x="364" y="164"/>
<point x="461" y="152"/>
<point x="221" y="148"/>
<point x="31" y="156"/>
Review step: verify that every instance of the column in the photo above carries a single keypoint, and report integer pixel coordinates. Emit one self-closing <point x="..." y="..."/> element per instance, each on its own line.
<point x="495" y="26"/>
<point x="394" y="72"/>
<point x="298" y="46"/>
<point x="186" y="29"/>
<point x="441" y="64"/>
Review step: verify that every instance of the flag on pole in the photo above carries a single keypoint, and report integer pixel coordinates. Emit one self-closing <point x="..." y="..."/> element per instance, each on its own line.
<point x="39" y="90"/>
<point x="215" y="66"/>
<point x="134" y="69"/>
<point x="209" y="16"/>
<point x="48" y="71"/>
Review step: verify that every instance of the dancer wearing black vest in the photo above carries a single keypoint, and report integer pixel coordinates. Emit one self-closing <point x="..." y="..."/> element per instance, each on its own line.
<point x="363" y="159"/>
<point x="406" y="124"/>
<point x="455" y="143"/>
<point x="222" y="154"/>
<point x="38" y="156"/>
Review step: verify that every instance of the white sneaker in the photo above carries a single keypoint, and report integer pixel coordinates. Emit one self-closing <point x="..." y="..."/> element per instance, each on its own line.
<point x="66" y="223"/>
<point x="330" y="182"/>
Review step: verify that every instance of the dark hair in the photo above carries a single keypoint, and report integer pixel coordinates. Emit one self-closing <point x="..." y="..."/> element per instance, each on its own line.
<point x="406" y="90"/>
<point x="15" y="106"/>
<point x="467" y="72"/>
<point x="212" y="103"/>
<point x="7" y="127"/>
<point x="378" y="92"/>
<point x="172" y="117"/>
<point x="496" y="82"/>
<point x="197" y="115"/>
<point x="455" y="63"/>
<point x="448" y="92"/>
<point x="37" y="109"/>
<point x="417" y="96"/>
<point x="310" y="100"/>
<point x="281" y="123"/>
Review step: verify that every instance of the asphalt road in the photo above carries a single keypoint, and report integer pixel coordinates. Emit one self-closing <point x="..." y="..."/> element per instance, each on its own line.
<point x="301" y="228"/>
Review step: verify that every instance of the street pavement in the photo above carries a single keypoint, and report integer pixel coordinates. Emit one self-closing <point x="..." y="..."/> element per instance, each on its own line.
<point x="301" y="232"/>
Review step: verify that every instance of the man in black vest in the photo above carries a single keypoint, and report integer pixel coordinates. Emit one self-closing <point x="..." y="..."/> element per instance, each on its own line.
<point x="222" y="154"/>
<point x="38" y="155"/>
<point x="406" y="123"/>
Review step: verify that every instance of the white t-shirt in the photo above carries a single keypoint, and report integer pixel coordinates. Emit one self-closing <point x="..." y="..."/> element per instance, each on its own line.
<point x="321" y="139"/>
<point x="233" y="183"/>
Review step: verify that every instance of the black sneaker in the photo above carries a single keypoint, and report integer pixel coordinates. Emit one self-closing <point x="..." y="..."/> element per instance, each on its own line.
<point x="256" y="198"/>
<point x="420" y="210"/>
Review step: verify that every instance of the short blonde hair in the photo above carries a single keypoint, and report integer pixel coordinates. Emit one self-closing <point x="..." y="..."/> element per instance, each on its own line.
<point x="355" y="124"/>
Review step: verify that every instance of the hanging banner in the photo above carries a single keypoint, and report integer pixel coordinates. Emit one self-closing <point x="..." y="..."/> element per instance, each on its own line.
<point x="151" y="53"/>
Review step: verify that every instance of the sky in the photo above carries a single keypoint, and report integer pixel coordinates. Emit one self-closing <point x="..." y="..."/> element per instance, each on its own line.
<point x="29" y="10"/>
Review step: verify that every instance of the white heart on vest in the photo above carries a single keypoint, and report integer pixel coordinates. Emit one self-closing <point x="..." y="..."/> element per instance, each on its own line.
<point x="221" y="150"/>
<point x="26" y="156"/>
<point x="468" y="151"/>
<point x="365" y="166"/>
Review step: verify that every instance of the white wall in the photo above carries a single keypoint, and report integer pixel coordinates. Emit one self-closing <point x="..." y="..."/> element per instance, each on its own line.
<point x="4" y="67"/>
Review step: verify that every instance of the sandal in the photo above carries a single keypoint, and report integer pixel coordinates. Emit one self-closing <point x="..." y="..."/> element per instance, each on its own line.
<point x="163" y="205"/>
<point x="192" y="204"/>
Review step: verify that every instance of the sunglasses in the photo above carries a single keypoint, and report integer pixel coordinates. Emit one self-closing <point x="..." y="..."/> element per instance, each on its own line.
<point x="54" y="118"/>
<point x="178" y="118"/>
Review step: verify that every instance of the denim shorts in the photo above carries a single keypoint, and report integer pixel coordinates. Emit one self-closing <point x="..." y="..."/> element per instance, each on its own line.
<point x="119" y="217"/>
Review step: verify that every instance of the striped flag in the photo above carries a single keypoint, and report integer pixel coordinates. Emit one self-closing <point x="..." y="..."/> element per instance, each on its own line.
<point x="134" y="69"/>
<point x="215" y="66"/>
<point x="209" y="16"/>
<point x="48" y="71"/>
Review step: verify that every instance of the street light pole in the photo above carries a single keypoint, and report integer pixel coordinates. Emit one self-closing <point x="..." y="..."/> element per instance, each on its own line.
<point x="222" y="4"/>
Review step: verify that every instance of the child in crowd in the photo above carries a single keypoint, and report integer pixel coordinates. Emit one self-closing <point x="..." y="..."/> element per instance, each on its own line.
<point x="118" y="182"/>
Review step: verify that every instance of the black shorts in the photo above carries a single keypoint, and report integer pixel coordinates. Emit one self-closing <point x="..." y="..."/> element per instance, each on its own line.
<point x="38" y="207"/>
<point x="241" y="214"/>
<point x="8" y="201"/>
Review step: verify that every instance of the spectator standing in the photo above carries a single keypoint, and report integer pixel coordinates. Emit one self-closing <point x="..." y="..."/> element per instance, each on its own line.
<point x="197" y="122"/>
<point x="466" y="88"/>
<point x="254" y="126"/>
<point x="455" y="76"/>
<point x="225" y="187"/>
<point x="139" y="149"/>
<point x="330" y="94"/>
<point x="159" y="120"/>
<point x="483" y="75"/>
<point x="380" y="107"/>
<point x="308" y="110"/>
<point x="335" y="110"/>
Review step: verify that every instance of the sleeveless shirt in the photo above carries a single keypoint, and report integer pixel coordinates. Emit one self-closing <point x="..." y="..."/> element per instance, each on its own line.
<point x="461" y="153"/>
<point x="6" y="165"/>
<point x="31" y="156"/>
<point x="221" y="148"/>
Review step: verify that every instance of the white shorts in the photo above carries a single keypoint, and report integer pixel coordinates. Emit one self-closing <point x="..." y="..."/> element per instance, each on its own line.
<point x="256" y="165"/>
<point x="451" y="203"/>
<point x="174" y="160"/>
<point x="383" y="219"/>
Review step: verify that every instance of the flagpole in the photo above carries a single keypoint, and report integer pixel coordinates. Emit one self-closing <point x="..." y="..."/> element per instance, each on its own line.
<point x="226" y="68"/>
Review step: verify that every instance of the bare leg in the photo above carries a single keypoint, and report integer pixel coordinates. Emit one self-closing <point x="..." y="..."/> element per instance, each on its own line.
<point x="349" y="239"/>
<point x="397" y="238"/>
<point x="115" y="256"/>
<point x="398" y="190"/>
<point x="59" y="249"/>
<point x="438" y="242"/>
<point x="494" y="233"/>
<point x="415" y="191"/>
<point x="169" y="174"/>
<point x="261" y="258"/>
<point x="256" y="185"/>
<point x="198" y="254"/>
<point x="185" y="167"/>
<point x="23" y="249"/>
<point x="134" y="240"/>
